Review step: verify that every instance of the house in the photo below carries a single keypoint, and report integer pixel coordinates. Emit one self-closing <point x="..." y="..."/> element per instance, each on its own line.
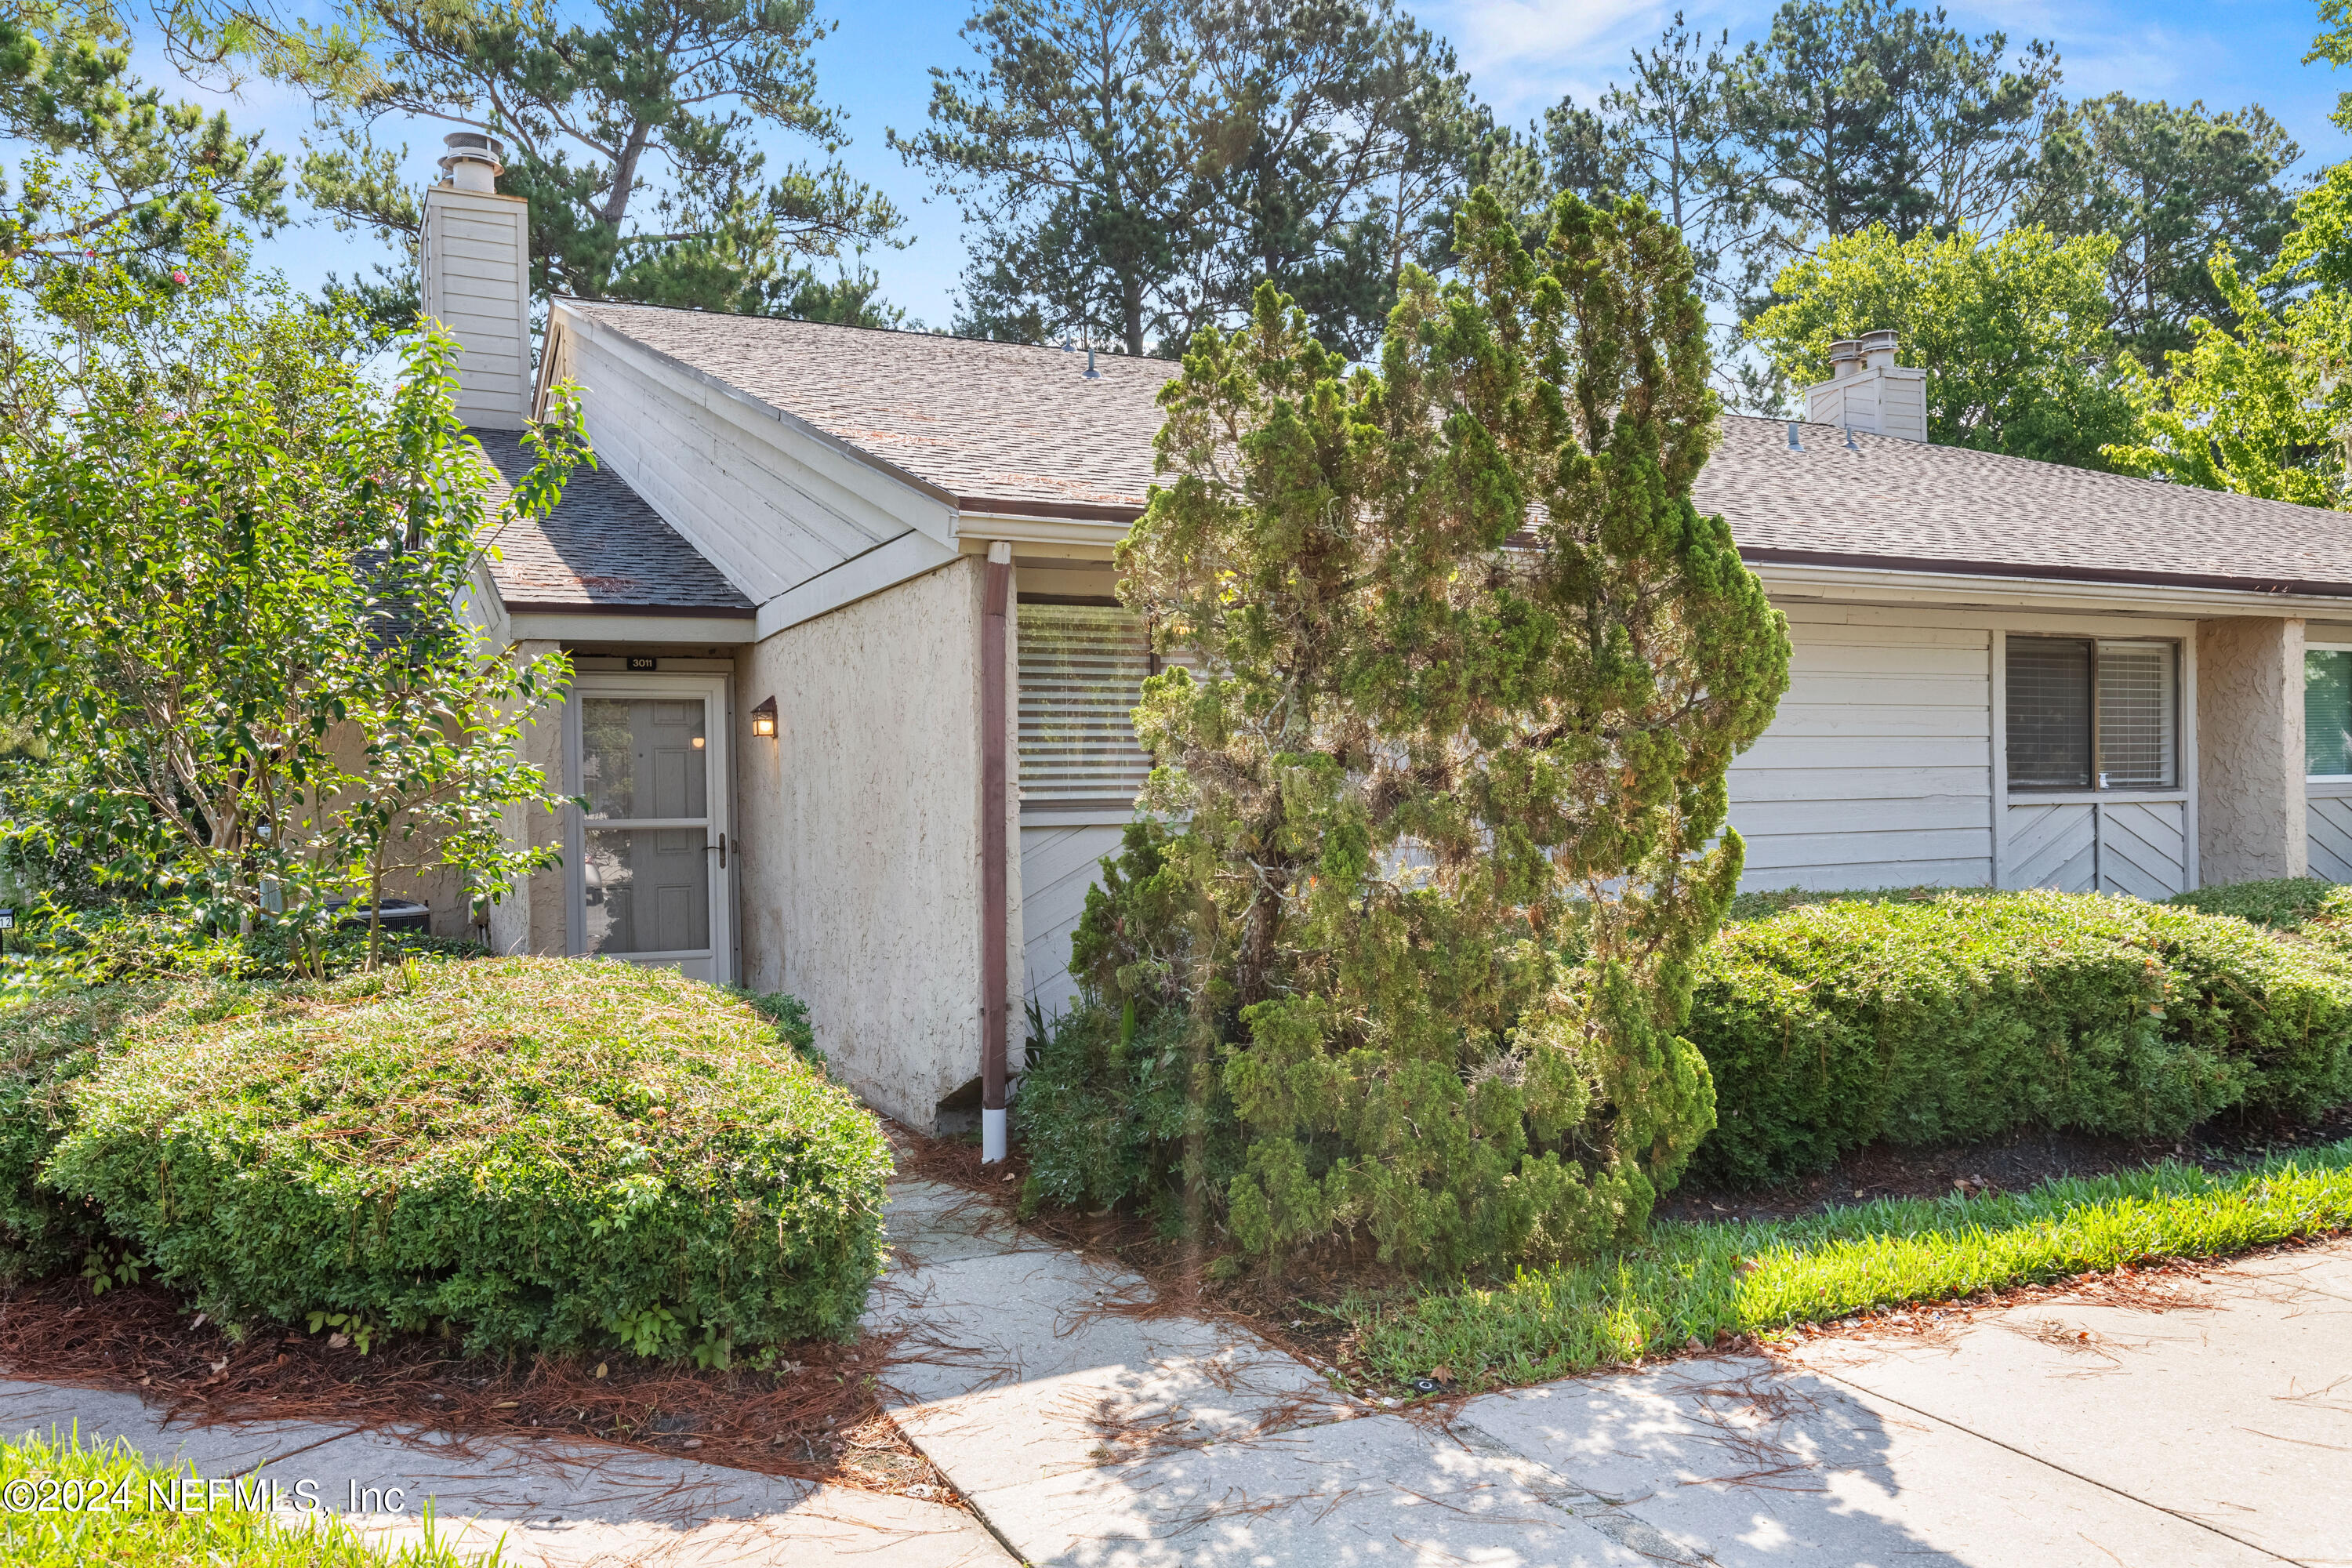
<point x="849" y="713"/>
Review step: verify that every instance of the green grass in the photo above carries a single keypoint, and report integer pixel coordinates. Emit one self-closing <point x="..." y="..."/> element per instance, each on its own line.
<point x="1695" y="1280"/>
<point x="136" y="1529"/>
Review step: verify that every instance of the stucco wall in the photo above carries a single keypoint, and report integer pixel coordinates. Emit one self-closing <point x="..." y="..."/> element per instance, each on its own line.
<point x="531" y="919"/>
<point x="2249" y="800"/>
<point x="858" y="827"/>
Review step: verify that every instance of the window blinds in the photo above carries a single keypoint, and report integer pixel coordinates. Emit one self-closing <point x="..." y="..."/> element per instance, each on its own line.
<point x="2086" y="714"/>
<point x="1082" y="672"/>
<point x="2049" y="712"/>
<point x="2327" y="712"/>
<point x="2135" y="709"/>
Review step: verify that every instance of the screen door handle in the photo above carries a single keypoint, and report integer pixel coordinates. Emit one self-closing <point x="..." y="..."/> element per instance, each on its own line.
<point x="721" y="848"/>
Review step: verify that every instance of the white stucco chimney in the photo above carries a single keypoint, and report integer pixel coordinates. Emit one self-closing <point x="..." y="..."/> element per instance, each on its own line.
<point x="1868" y="391"/>
<point x="475" y="256"/>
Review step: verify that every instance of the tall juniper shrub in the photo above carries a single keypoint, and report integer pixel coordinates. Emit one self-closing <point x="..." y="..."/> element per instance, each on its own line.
<point x="1474" y="670"/>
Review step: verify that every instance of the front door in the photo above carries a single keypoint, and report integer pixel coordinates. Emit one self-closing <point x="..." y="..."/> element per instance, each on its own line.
<point x="650" y="850"/>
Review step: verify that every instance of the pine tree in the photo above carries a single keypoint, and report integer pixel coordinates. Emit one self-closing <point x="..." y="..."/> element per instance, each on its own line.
<point x="630" y="134"/>
<point x="1445" y="813"/>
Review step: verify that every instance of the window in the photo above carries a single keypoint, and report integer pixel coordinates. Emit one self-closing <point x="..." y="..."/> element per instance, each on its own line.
<point x="2328" y="712"/>
<point x="2090" y="715"/>
<point x="1082" y="672"/>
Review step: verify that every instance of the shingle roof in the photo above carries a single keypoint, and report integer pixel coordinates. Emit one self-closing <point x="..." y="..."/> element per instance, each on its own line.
<point x="1911" y="506"/>
<point x="998" y="426"/>
<point x="601" y="547"/>
<point x="1004" y="427"/>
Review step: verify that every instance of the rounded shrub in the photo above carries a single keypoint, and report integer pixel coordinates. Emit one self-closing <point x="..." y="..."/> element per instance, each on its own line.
<point x="1968" y="1017"/>
<point x="534" y="1153"/>
<point x="46" y="1043"/>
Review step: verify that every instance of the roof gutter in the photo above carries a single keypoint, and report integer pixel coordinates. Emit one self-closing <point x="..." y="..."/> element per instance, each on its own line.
<point x="1920" y="565"/>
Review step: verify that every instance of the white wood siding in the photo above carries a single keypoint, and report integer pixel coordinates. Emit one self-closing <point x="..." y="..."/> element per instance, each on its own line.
<point x="1878" y="771"/>
<point x="1886" y="402"/>
<point x="474" y="275"/>
<point x="1057" y="865"/>
<point x="767" y="521"/>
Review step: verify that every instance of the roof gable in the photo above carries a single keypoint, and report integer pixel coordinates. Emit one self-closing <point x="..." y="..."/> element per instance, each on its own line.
<point x="998" y="426"/>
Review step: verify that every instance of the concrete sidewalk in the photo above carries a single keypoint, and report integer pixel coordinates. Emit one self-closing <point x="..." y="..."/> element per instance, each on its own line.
<point x="1089" y="1430"/>
<point x="1088" y="1426"/>
<point x="545" y="1505"/>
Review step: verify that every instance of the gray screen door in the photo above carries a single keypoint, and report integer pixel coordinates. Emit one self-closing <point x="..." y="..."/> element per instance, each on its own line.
<point x="648" y="757"/>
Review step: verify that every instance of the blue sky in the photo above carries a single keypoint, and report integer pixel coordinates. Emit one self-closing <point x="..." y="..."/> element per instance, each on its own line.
<point x="1522" y="55"/>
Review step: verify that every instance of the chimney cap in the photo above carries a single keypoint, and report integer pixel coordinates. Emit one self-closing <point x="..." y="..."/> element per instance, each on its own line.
<point x="1880" y="338"/>
<point x="474" y="160"/>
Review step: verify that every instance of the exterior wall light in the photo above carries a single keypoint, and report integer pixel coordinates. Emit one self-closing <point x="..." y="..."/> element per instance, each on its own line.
<point x="763" y="719"/>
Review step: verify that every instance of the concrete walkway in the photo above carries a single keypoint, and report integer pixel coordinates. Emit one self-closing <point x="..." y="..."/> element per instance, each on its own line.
<point x="556" y="1504"/>
<point x="1086" y="1431"/>
<point x="1086" y="1426"/>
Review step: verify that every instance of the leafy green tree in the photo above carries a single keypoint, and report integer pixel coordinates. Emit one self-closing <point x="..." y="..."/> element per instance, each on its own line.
<point x="104" y="169"/>
<point x="1865" y="111"/>
<point x="632" y="135"/>
<point x="2260" y="407"/>
<point x="2011" y="332"/>
<point x="232" y="571"/>
<point x="2170" y="185"/>
<point x="1438" y="834"/>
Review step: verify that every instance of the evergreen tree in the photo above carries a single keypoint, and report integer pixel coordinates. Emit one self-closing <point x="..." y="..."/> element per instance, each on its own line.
<point x="1864" y="112"/>
<point x="1680" y="151"/>
<point x="631" y="136"/>
<point x="1333" y="137"/>
<point x="1066" y="149"/>
<point x="1438" y="834"/>
<point x="104" y="169"/>
<point x="2170" y="185"/>
<point x="1135" y="168"/>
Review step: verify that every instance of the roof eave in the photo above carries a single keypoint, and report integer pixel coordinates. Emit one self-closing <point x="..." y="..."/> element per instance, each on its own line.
<point x="2121" y="577"/>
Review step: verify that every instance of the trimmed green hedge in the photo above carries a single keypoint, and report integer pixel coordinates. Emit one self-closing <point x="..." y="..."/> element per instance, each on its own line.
<point x="2284" y="903"/>
<point x="45" y="1046"/>
<point x="536" y="1153"/>
<point x="1962" y="1017"/>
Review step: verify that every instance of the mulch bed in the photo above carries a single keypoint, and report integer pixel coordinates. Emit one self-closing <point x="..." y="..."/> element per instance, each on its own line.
<point x="817" y="1417"/>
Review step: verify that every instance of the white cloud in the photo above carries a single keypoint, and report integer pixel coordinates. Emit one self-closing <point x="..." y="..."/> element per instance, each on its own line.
<point x="1526" y="32"/>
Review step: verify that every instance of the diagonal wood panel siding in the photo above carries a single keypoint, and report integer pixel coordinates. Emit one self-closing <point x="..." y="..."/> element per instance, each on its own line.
<point x="2327" y="820"/>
